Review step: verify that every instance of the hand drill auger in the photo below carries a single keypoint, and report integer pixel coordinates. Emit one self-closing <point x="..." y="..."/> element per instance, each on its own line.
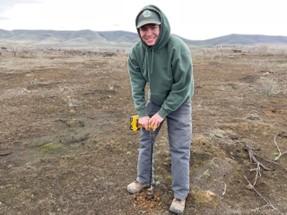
<point x="135" y="126"/>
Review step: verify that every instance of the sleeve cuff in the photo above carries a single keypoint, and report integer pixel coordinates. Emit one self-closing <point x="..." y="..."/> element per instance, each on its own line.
<point x="162" y="113"/>
<point x="141" y="113"/>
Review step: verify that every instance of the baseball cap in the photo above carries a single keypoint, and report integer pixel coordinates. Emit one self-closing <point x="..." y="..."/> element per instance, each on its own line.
<point x="148" y="17"/>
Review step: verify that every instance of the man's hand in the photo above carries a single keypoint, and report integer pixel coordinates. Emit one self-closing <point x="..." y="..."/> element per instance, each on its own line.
<point x="154" y="121"/>
<point x="144" y="122"/>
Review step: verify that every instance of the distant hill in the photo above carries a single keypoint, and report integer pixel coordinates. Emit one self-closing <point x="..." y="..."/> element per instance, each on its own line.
<point x="124" y="37"/>
<point x="241" y="39"/>
<point x="82" y="36"/>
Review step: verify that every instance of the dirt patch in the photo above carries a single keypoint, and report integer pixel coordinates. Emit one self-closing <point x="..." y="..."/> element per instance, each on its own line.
<point x="66" y="148"/>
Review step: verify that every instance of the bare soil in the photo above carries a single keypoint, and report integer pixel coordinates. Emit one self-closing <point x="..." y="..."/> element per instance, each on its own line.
<point x="66" y="148"/>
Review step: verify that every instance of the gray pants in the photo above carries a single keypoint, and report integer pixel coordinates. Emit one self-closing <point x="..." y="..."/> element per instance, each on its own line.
<point x="179" y="125"/>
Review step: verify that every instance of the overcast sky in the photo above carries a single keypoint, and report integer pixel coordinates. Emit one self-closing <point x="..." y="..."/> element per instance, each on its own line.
<point x="192" y="19"/>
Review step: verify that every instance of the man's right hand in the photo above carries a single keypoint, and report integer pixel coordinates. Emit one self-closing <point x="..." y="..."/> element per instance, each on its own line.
<point x="144" y="122"/>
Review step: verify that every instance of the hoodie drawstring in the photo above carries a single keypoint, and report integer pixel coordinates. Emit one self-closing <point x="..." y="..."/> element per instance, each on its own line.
<point x="149" y="66"/>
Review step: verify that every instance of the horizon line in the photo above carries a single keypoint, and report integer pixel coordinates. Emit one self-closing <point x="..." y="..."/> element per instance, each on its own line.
<point x="230" y="34"/>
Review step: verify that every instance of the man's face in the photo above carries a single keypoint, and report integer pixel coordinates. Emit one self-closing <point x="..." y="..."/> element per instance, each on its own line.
<point x="149" y="33"/>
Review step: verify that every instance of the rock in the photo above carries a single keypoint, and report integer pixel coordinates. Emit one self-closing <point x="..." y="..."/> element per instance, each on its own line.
<point x="218" y="133"/>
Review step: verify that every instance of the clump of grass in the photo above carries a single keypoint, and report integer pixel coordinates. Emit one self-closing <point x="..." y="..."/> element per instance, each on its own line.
<point x="205" y="197"/>
<point x="51" y="148"/>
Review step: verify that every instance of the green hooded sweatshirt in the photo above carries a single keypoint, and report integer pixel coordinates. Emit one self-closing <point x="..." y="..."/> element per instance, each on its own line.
<point x="166" y="67"/>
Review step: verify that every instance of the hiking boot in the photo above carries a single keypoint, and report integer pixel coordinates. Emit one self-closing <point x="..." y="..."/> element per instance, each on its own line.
<point x="177" y="206"/>
<point x="136" y="187"/>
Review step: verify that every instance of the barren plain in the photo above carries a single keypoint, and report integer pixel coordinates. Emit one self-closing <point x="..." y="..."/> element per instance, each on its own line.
<point x="66" y="148"/>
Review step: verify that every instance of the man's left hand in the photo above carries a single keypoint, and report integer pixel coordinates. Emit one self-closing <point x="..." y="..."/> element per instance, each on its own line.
<point x="155" y="121"/>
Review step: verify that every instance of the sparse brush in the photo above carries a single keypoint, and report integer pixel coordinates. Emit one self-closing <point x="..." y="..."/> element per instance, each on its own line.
<point x="268" y="86"/>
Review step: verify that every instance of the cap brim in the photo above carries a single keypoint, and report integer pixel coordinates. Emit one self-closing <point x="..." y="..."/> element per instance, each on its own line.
<point x="145" y="22"/>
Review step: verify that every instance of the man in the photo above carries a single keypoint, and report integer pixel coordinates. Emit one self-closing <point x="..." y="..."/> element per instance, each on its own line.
<point x="162" y="63"/>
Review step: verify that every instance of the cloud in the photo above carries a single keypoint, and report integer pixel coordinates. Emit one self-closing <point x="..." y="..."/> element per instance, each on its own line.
<point x="7" y="4"/>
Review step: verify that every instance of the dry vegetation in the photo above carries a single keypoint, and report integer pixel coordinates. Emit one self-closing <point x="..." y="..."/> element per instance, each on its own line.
<point x="66" y="148"/>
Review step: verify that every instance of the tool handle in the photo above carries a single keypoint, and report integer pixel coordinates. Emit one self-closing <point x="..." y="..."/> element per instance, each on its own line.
<point x="134" y="123"/>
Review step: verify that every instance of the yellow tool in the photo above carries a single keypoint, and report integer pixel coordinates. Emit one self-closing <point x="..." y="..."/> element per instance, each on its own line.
<point x="134" y="123"/>
<point x="135" y="126"/>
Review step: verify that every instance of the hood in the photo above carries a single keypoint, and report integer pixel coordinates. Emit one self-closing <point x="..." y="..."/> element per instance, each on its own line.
<point x="164" y="27"/>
